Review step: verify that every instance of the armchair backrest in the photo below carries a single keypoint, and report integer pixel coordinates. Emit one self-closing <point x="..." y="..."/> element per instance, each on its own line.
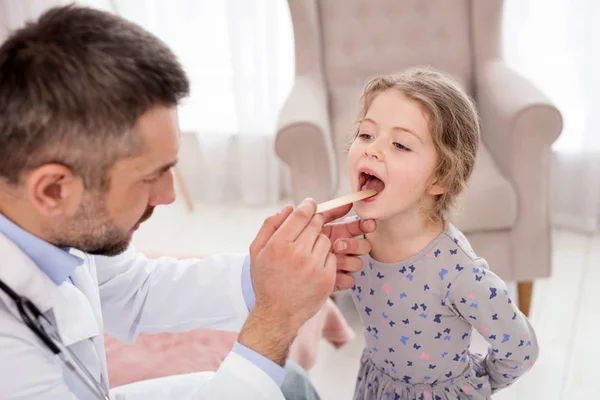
<point x="342" y="43"/>
<point x="366" y="38"/>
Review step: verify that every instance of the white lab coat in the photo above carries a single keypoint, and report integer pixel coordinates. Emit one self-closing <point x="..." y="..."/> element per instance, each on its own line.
<point x="122" y="296"/>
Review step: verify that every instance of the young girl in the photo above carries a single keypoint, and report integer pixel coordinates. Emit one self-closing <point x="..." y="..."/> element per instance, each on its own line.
<point x="422" y="288"/>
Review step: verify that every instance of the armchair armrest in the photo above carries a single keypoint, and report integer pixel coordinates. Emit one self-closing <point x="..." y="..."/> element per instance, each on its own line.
<point x="306" y="104"/>
<point x="513" y="111"/>
<point x="519" y="125"/>
<point x="510" y="105"/>
<point x="303" y="140"/>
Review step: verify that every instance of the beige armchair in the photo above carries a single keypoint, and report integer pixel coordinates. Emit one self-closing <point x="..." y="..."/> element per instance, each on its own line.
<point x="341" y="43"/>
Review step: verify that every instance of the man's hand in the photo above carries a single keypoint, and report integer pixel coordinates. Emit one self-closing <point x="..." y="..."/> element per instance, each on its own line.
<point x="293" y="272"/>
<point x="346" y="246"/>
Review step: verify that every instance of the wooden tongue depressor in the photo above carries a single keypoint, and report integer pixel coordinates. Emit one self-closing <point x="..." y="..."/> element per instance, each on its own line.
<point x="347" y="199"/>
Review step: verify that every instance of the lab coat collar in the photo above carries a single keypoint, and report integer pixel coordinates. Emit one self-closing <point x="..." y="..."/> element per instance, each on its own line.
<point x="75" y="317"/>
<point x="19" y="273"/>
<point x="55" y="262"/>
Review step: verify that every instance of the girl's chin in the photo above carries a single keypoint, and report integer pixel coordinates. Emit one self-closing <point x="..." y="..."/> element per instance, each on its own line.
<point x="367" y="210"/>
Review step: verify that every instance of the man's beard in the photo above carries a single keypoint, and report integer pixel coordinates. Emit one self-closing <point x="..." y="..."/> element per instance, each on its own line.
<point x="93" y="231"/>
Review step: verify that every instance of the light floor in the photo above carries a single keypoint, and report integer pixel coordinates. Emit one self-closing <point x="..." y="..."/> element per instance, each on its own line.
<point x="565" y="310"/>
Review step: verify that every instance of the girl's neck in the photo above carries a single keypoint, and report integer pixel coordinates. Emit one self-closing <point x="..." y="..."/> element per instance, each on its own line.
<point x="402" y="236"/>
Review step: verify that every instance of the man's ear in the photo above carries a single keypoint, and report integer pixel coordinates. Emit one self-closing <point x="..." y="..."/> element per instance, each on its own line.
<point x="54" y="190"/>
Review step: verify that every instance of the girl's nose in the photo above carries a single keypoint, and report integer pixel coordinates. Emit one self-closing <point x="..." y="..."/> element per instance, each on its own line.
<point x="373" y="152"/>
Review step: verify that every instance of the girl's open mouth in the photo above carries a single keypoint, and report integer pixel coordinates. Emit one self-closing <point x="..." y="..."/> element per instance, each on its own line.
<point x="368" y="180"/>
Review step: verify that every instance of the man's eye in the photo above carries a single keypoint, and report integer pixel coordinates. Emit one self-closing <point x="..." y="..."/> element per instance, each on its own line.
<point x="153" y="179"/>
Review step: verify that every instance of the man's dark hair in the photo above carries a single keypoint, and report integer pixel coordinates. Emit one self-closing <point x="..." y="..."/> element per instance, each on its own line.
<point x="72" y="86"/>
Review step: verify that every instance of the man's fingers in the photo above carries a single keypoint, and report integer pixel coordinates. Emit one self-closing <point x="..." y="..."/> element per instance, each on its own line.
<point x="336" y="213"/>
<point x="349" y="264"/>
<point x="355" y="246"/>
<point x="308" y="237"/>
<point x="351" y="229"/>
<point x="330" y="269"/>
<point x="269" y="227"/>
<point x="343" y="281"/>
<point x="367" y="225"/>
<point x="293" y="226"/>
<point x="321" y="249"/>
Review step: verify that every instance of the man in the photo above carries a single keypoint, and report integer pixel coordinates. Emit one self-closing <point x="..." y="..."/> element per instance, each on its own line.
<point x="88" y="135"/>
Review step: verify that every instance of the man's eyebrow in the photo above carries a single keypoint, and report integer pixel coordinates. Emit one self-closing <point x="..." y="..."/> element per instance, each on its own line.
<point x="164" y="168"/>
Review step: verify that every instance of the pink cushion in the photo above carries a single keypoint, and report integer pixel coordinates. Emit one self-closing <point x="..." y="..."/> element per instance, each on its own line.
<point x="153" y="356"/>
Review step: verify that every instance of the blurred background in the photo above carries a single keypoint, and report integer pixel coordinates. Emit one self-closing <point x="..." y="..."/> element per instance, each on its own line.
<point x="275" y="88"/>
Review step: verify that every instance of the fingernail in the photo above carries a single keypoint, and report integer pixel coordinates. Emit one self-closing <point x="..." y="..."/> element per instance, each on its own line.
<point x="342" y="245"/>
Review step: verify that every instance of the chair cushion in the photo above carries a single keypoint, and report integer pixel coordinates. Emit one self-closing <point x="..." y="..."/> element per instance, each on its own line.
<point x="490" y="201"/>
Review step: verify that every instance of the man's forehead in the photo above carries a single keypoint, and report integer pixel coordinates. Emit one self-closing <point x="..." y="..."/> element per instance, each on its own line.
<point x="158" y="131"/>
<point x="159" y="136"/>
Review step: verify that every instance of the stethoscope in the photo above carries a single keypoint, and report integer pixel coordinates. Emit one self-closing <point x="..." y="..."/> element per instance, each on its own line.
<point x="46" y="332"/>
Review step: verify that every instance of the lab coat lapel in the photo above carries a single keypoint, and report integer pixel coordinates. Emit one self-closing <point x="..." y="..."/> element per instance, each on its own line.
<point x="74" y="310"/>
<point x="84" y="278"/>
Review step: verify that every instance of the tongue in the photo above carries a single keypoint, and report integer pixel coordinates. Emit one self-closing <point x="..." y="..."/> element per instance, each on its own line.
<point x="375" y="184"/>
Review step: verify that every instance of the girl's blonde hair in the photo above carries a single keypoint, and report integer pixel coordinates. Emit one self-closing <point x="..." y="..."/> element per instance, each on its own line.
<point x="453" y="122"/>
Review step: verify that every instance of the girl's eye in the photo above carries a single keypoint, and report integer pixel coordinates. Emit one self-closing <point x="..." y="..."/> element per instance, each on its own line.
<point x="401" y="147"/>
<point x="365" y="136"/>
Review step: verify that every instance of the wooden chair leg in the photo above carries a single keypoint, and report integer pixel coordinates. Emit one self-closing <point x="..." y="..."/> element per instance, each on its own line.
<point x="525" y="290"/>
<point x="184" y="189"/>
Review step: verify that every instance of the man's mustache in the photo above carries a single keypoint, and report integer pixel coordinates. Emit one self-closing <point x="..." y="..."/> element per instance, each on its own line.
<point x="147" y="214"/>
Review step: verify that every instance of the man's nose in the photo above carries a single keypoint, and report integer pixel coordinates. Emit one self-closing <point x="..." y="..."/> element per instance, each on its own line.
<point x="165" y="191"/>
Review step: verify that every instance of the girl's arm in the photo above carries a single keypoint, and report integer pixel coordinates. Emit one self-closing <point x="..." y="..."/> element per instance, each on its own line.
<point x="481" y="298"/>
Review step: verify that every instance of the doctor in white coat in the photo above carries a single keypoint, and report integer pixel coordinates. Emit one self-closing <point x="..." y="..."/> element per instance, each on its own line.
<point x="88" y="135"/>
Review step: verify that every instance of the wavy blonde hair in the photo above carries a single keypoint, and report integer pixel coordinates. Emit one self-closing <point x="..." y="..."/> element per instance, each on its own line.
<point x="453" y="122"/>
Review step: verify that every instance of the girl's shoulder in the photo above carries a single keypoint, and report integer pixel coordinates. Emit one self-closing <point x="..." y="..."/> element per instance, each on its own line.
<point x="456" y="239"/>
<point x="445" y="257"/>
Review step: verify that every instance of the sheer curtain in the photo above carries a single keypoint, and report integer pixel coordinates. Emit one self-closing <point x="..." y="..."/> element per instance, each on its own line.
<point x="556" y="44"/>
<point x="239" y="56"/>
<point x="240" y="59"/>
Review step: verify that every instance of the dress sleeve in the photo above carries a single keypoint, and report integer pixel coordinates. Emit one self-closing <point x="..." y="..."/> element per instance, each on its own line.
<point x="481" y="298"/>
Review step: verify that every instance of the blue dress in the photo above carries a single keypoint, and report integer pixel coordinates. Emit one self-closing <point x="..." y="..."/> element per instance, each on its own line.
<point x="418" y="316"/>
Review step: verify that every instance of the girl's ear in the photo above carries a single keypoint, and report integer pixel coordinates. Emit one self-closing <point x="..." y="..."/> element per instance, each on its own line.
<point x="437" y="187"/>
